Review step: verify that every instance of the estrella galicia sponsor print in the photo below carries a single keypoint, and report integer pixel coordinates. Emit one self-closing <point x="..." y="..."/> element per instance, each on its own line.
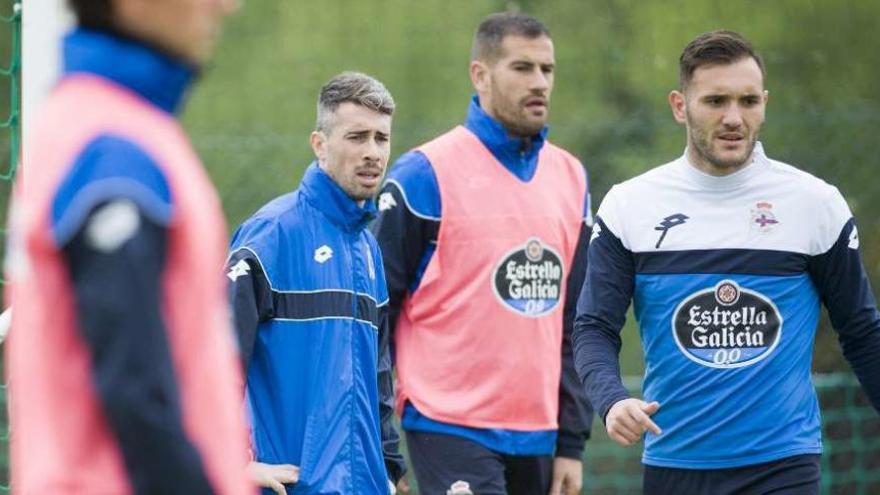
<point x="727" y="326"/>
<point x="528" y="279"/>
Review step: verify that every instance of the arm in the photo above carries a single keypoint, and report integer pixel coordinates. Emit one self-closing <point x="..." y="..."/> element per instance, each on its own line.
<point x="251" y="299"/>
<point x="406" y="228"/>
<point x="116" y="263"/>
<point x="394" y="462"/>
<point x="575" y="411"/>
<point x="601" y="314"/>
<point x="843" y="285"/>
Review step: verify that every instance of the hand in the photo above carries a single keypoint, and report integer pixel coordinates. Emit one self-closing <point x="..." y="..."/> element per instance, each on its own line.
<point x="273" y="476"/>
<point x="568" y="476"/>
<point x="403" y="486"/>
<point x="628" y="419"/>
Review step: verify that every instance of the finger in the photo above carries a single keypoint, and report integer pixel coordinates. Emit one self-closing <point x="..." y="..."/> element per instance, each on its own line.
<point x="650" y="408"/>
<point x="643" y="422"/>
<point x="629" y="422"/>
<point x="277" y="487"/>
<point x="623" y="435"/>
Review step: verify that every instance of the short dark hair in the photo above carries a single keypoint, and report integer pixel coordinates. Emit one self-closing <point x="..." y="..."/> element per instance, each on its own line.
<point x="714" y="47"/>
<point x="493" y="29"/>
<point x="353" y="87"/>
<point x="94" y="14"/>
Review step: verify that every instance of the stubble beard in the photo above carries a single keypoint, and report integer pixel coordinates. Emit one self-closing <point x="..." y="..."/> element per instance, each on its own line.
<point x="702" y="142"/>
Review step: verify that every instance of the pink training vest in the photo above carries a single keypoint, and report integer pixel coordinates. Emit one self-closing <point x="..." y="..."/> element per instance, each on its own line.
<point x="479" y="343"/>
<point x="60" y="440"/>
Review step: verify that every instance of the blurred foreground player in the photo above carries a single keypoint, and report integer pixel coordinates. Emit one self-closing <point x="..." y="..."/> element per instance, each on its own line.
<point x="726" y="269"/>
<point x="121" y="359"/>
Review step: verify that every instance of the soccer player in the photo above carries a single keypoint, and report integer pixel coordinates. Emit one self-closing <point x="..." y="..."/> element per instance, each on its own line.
<point x="310" y="304"/>
<point x="726" y="255"/>
<point x="121" y="359"/>
<point x="484" y="231"/>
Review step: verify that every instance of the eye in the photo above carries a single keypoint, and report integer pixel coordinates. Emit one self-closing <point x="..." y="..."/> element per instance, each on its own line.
<point x="750" y="101"/>
<point x="381" y="138"/>
<point x="547" y="69"/>
<point x="715" y="101"/>
<point x="357" y="138"/>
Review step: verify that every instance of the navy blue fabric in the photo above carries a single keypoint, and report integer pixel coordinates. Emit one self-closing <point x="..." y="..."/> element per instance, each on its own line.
<point x="853" y="310"/>
<point x="109" y="167"/>
<point x="306" y="306"/>
<point x="310" y="307"/>
<point x="745" y="261"/>
<point x="160" y="79"/>
<point x="118" y="307"/>
<point x="797" y="475"/>
<point x="599" y="320"/>
<point x="407" y="231"/>
<point x="441" y="460"/>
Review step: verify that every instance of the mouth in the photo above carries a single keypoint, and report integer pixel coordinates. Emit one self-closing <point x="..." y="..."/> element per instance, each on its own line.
<point x="731" y="139"/>
<point x="369" y="176"/>
<point x="536" y="104"/>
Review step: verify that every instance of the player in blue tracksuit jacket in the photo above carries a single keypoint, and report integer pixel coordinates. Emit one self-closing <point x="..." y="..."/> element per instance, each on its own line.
<point x="310" y="304"/>
<point x="726" y="255"/>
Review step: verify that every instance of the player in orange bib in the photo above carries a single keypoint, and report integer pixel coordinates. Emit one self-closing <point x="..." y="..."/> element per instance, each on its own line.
<point x="483" y="232"/>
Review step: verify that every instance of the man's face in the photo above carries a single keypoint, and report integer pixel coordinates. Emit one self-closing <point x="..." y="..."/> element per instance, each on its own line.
<point x="354" y="150"/>
<point x="187" y="29"/>
<point x="515" y="89"/>
<point x="723" y="109"/>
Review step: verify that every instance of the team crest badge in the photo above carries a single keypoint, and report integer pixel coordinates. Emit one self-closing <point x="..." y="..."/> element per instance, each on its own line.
<point x="528" y="279"/>
<point x="763" y="218"/>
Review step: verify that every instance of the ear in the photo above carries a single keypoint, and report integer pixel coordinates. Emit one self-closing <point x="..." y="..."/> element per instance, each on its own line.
<point x="678" y="104"/>
<point x="766" y="96"/>
<point x="318" y="142"/>
<point x="479" y="73"/>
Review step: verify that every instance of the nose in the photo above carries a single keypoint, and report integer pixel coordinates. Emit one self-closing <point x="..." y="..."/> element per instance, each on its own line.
<point x="372" y="151"/>
<point x="540" y="81"/>
<point x="732" y="116"/>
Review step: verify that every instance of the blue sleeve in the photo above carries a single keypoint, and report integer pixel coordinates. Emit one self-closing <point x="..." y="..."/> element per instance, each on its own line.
<point x="407" y="226"/>
<point x="601" y="314"/>
<point x="109" y="167"/>
<point x="575" y="411"/>
<point x="118" y="296"/>
<point x="843" y="285"/>
<point x="250" y="296"/>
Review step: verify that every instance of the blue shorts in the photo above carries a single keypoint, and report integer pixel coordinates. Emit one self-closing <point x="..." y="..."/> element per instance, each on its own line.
<point x="455" y="465"/>
<point x="797" y="475"/>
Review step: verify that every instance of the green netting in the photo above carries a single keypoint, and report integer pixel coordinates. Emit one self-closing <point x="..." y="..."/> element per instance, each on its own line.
<point x="10" y="127"/>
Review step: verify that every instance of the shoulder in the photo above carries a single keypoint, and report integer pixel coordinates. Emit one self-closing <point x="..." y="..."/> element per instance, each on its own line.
<point x="110" y="167"/>
<point x="412" y="180"/>
<point x="263" y="231"/>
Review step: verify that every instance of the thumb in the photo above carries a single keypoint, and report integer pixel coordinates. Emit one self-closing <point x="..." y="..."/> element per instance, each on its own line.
<point x="651" y="407"/>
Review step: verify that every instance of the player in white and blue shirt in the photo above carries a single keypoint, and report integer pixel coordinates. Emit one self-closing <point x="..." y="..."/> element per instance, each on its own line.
<point x="726" y="255"/>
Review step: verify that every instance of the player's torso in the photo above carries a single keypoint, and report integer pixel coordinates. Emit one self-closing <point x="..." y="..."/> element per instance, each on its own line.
<point x="727" y="313"/>
<point x="312" y="384"/>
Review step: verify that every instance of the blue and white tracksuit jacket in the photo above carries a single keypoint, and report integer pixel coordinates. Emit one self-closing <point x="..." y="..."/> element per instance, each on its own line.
<point x="310" y="302"/>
